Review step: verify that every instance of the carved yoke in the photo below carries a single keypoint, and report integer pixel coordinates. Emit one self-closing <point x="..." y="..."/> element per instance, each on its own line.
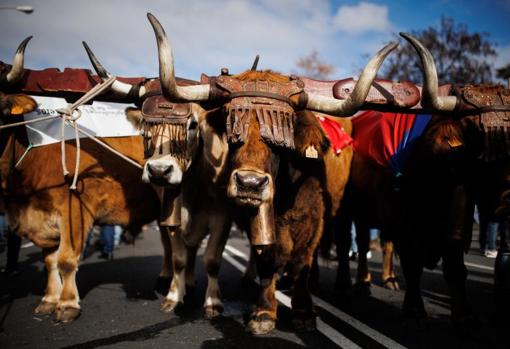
<point x="269" y="101"/>
<point x="494" y="111"/>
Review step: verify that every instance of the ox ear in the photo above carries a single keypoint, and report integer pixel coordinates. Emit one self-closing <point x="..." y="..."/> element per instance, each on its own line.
<point x="309" y="139"/>
<point x="134" y="116"/>
<point x="17" y="105"/>
<point x="214" y="140"/>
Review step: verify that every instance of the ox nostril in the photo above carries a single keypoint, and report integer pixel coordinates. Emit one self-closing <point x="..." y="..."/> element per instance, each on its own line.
<point x="251" y="181"/>
<point x="263" y="181"/>
<point x="159" y="169"/>
<point x="168" y="170"/>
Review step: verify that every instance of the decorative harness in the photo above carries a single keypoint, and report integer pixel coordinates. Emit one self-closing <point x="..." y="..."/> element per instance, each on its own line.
<point x="271" y="103"/>
<point x="162" y="118"/>
<point x="494" y="113"/>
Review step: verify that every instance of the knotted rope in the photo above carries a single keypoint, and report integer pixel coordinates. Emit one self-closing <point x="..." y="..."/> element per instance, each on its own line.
<point x="69" y="116"/>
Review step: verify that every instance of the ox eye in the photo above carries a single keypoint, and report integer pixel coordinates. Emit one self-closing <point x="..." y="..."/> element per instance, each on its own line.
<point x="193" y="125"/>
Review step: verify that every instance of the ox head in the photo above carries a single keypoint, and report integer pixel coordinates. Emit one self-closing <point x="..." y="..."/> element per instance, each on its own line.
<point x="171" y="138"/>
<point x="12" y="105"/>
<point x="476" y="121"/>
<point x="264" y="115"/>
<point x="170" y="130"/>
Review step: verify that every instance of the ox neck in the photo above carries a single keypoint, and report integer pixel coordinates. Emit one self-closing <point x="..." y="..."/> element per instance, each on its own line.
<point x="14" y="143"/>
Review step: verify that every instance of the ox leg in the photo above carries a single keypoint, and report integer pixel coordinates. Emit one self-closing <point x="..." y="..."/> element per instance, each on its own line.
<point x="343" y="242"/>
<point x="165" y="275"/>
<point x="250" y="275"/>
<point x="54" y="286"/>
<point x="213" y="305"/>
<point x="303" y="315"/>
<point x="455" y="274"/>
<point x="190" y="267"/>
<point x="388" y="275"/>
<point x="263" y="319"/>
<point x="68" y="307"/>
<point x="412" y="267"/>
<point x="363" y="277"/>
<point x="71" y="244"/>
<point x="177" y="290"/>
<point x="502" y="276"/>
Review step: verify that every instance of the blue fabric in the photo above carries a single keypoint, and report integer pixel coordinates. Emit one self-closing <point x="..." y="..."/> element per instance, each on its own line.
<point x="408" y="142"/>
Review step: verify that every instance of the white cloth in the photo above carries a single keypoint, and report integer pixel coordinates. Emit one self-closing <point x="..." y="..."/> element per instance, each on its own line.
<point x="99" y="118"/>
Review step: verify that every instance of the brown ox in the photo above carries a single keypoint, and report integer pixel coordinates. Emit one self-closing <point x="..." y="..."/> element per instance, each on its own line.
<point x="41" y="207"/>
<point x="277" y="177"/>
<point x="461" y="157"/>
<point x="185" y="161"/>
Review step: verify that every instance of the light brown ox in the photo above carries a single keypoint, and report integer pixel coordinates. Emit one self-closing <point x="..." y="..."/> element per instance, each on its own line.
<point x="186" y="164"/>
<point x="41" y="207"/>
<point x="280" y="194"/>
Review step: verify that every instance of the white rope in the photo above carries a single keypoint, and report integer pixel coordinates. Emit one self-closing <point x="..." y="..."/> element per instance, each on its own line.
<point x="106" y="146"/>
<point x="67" y="118"/>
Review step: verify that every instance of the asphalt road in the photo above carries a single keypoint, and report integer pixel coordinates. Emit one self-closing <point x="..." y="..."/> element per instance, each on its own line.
<point x="120" y="308"/>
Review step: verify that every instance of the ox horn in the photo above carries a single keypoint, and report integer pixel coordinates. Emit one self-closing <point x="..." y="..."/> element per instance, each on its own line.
<point x="356" y="99"/>
<point x="255" y="63"/>
<point x="430" y="90"/>
<point x="119" y="87"/>
<point x="169" y="86"/>
<point x="16" y="73"/>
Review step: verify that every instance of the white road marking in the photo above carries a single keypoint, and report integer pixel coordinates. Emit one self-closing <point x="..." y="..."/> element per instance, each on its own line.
<point x="368" y="331"/>
<point x="360" y="326"/>
<point x="328" y="331"/>
<point x="479" y="266"/>
<point x="27" y="245"/>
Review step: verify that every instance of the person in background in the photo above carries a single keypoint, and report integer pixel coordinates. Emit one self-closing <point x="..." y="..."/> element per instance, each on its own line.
<point x="108" y="241"/>
<point x="3" y="237"/>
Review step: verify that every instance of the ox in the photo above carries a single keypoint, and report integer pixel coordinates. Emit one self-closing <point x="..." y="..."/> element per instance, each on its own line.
<point x="444" y="175"/>
<point x="276" y="170"/>
<point x="41" y="207"/>
<point x="185" y="162"/>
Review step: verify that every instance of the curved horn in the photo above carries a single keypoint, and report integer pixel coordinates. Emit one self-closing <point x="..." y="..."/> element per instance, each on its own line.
<point x="430" y="96"/>
<point x="255" y="63"/>
<point x="16" y="72"/>
<point x="166" y="71"/>
<point x="356" y="99"/>
<point x="119" y="87"/>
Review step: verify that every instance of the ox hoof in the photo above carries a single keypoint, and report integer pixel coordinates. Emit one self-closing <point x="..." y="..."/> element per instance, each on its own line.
<point x="248" y="282"/>
<point x="362" y="288"/>
<point x="213" y="311"/>
<point x="45" y="308"/>
<point x="167" y="306"/>
<point x="261" y="324"/>
<point x="414" y="313"/>
<point x="391" y="283"/>
<point x="162" y="284"/>
<point x="304" y="323"/>
<point x="465" y="323"/>
<point x="67" y="314"/>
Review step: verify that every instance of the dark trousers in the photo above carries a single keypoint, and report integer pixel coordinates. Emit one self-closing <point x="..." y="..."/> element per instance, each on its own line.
<point x="107" y="237"/>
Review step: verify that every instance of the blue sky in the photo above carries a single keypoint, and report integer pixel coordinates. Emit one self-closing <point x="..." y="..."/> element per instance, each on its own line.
<point x="209" y="35"/>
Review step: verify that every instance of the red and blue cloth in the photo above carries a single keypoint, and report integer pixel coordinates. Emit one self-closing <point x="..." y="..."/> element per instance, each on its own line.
<point x="388" y="138"/>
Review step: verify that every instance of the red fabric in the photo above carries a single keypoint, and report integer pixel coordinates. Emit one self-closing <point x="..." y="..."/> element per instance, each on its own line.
<point x="378" y="135"/>
<point x="337" y="136"/>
